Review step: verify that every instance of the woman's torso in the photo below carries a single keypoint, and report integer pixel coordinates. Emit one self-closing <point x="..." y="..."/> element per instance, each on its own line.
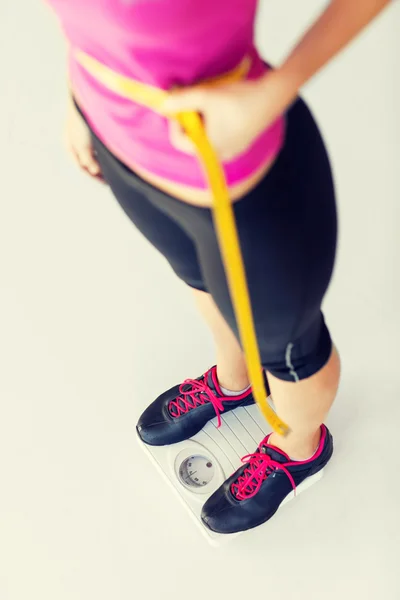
<point x="164" y="44"/>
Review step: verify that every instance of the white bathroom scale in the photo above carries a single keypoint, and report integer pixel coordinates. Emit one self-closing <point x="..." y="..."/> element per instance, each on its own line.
<point x="195" y="468"/>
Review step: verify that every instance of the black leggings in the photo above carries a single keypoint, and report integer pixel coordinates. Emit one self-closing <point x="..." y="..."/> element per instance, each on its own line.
<point x="287" y="228"/>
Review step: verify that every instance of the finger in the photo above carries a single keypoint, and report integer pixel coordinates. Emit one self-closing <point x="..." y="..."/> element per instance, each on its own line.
<point x="70" y="148"/>
<point x="187" y="100"/>
<point x="179" y="139"/>
<point x="74" y="155"/>
<point x="101" y="179"/>
<point x="87" y="161"/>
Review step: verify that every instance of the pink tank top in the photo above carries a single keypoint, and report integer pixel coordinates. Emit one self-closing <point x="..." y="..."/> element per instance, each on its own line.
<point x="163" y="43"/>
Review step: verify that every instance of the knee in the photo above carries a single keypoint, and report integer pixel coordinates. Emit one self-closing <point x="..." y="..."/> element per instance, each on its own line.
<point x="299" y="358"/>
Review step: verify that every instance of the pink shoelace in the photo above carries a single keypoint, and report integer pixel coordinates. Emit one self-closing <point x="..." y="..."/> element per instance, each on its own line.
<point x="197" y="394"/>
<point x="259" y="468"/>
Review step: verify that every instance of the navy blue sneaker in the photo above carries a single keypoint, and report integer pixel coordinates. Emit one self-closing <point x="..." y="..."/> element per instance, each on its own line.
<point x="182" y="411"/>
<point x="253" y="494"/>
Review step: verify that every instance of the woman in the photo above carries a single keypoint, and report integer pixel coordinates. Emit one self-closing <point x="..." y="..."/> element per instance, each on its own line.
<point x="280" y="182"/>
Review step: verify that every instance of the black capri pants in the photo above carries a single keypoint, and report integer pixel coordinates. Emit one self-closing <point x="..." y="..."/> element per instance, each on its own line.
<point x="287" y="228"/>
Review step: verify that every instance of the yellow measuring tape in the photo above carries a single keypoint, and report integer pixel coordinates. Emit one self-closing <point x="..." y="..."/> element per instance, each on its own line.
<point x="224" y="219"/>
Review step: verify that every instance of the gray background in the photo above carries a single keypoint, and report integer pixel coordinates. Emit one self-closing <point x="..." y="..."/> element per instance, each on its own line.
<point x="93" y="325"/>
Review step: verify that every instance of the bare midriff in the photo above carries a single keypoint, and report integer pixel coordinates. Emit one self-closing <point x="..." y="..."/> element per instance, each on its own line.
<point x="200" y="197"/>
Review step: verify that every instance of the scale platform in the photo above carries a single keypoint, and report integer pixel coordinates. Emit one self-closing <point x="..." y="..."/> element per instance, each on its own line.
<point x="196" y="467"/>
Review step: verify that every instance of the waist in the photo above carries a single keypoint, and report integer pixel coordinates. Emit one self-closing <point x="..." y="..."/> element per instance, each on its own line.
<point x="195" y="195"/>
<point x="139" y="138"/>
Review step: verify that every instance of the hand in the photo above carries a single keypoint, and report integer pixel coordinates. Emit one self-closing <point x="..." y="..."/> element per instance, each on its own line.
<point x="234" y="115"/>
<point x="79" y="142"/>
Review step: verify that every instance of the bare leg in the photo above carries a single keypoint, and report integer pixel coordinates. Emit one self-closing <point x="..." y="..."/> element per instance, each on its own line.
<point x="304" y="406"/>
<point x="231" y="366"/>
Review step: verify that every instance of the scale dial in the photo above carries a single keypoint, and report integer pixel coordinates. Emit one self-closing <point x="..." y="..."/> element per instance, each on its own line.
<point x="196" y="471"/>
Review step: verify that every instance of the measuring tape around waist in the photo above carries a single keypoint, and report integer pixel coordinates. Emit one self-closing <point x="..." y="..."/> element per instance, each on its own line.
<point x="153" y="98"/>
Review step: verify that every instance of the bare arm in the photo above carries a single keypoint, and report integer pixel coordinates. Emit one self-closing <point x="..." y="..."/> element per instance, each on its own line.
<point x="79" y="141"/>
<point x="340" y="23"/>
<point x="236" y="114"/>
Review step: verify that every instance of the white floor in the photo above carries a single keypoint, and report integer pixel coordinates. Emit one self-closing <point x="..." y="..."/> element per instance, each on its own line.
<point x="93" y="326"/>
